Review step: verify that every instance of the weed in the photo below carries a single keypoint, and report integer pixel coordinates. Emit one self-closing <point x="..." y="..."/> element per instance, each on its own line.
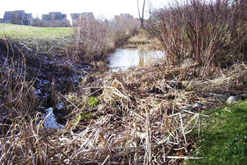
<point x="93" y="101"/>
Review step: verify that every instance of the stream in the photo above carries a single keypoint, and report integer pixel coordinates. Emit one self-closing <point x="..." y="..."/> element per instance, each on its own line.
<point x="122" y="59"/>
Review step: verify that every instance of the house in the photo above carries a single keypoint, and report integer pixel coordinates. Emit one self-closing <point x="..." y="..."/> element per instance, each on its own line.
<point x="76" y="16"/>
<point x="18" y="17"/>
<point x="57" y="17"/>
<point x="45" y="18"/>
<point x="8" y="17"/>
<point x="28" y="19"/>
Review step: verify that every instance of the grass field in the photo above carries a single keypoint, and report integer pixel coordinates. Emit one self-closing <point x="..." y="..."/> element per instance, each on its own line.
<point x="224" y="139"/>
<point x="27" y="32"/>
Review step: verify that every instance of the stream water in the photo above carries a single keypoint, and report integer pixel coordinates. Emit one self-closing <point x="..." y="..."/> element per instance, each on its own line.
<point x="122" y="59"/>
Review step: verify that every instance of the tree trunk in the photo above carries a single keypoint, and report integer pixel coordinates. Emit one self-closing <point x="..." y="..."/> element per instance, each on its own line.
<point x="141" y="15"/>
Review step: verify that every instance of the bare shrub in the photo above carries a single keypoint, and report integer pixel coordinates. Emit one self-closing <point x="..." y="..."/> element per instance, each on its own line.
<point x="91" y="40"/>
<point x="94" y="39"/>
<point x="124" y="27"/>
<point x="210" y="33"/>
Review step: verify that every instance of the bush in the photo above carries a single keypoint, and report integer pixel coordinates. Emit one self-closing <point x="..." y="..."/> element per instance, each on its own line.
<point x="91" y="40"/>
<point x="212" y="34"/>
<point x="123" y="28"/>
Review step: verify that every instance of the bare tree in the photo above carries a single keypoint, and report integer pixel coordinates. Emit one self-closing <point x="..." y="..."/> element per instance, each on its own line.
<point x="141" y="15"/>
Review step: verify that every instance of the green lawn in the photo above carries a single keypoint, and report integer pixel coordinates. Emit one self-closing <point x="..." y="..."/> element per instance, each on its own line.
<point x="224" y="139"/>
<point x="27" y="32"/>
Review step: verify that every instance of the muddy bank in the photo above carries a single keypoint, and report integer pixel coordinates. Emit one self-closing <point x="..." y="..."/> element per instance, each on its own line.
<point x="46" y="73"/>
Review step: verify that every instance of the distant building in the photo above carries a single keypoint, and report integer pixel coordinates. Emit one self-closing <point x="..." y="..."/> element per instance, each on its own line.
<point x="28" y="18"/>
<point x="54" y="16"/>
<point x="126" y="16"/>
<point x="18" y="17"/>
<point x="76" y="16"/>
<point x="8" y="17"/>
<point x="54" y="19"/>
<point x="1" y="20"/>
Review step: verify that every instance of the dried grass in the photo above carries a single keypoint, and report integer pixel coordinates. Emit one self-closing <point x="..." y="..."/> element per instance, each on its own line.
<point x="232" y="80"/>
<point x="139" y="120"/>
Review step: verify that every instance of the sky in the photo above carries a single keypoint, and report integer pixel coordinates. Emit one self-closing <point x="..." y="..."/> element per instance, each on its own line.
<point x="100" y="8"/>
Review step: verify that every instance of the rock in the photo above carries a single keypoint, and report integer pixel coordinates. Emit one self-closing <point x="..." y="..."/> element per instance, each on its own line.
<point x="232" y="99"/>
<point x="51" y="121"/>
<point x="197" y="105"/>
<point x="187" y="108"/>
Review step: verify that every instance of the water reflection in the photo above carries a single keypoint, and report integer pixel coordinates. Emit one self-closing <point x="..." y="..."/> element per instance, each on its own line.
<point x="122" y="59"/>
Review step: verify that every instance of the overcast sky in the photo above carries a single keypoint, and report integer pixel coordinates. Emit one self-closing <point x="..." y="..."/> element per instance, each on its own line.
<point x="100" y="8"/>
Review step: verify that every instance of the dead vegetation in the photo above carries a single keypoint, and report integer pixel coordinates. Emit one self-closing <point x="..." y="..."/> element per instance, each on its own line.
<point x="212" y="33"/>
<point x="148" y="115"/>
<point x="141" y="116"/>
